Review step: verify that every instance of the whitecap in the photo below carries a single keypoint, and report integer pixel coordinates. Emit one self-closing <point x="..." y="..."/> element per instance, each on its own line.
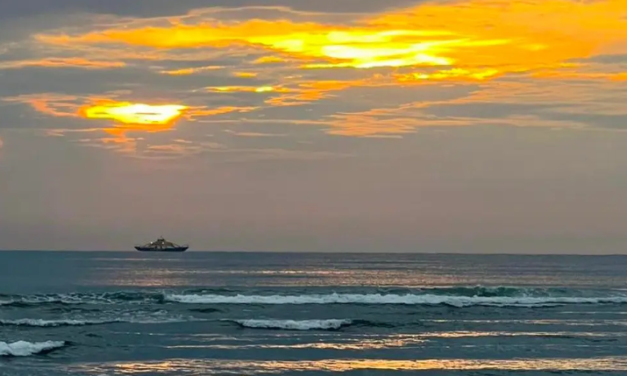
<point x="24" y="348"/>
<point x="330" y="324"/>
<point x="408" y="299"/>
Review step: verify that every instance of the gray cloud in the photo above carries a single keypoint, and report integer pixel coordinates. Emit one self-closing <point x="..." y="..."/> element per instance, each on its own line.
<point x="617" y="122"/>
<point x="156" y="8"/>
<point x="604" y="59"/>
<point x="485" y="110"/>
<point x="76" y="81"/>
<point x="22" y="116"/>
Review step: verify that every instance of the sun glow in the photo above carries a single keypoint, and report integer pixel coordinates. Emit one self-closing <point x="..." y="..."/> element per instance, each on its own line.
<point x="147" y="117"/>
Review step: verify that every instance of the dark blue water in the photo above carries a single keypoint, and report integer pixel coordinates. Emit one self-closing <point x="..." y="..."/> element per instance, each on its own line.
<point x="97" y="313"/>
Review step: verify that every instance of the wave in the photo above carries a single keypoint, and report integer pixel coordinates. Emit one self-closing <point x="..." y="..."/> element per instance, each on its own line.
<point x="331" y="324"/>
<point x="406" y="299"/>
<point x="205" y="310"/>
<point x="41" y="323"/>
<point x="328" y="324"/>
<point x="52" y="323"/>
<point x="23" y="348"/>
<point x="461" y="296"/>
<point x="498" y="291"/>
<point x="78" y="298"/>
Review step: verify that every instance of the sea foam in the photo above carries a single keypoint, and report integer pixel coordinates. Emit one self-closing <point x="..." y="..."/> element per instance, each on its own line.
<point x="74" y="322"/>
<point x="24" y="348"/>
<point x="331" y="324"/>
<point x="408" y="299"/>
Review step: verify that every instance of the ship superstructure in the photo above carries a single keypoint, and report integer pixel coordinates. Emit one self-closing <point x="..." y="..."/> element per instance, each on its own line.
<point x="161" y="245"/>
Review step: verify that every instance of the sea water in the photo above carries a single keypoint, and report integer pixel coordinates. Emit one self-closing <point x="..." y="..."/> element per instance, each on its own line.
<point x="193" y="313"/>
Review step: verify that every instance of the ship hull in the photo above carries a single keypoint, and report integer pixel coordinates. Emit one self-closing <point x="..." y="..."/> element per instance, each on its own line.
<point x="147" y="249"/>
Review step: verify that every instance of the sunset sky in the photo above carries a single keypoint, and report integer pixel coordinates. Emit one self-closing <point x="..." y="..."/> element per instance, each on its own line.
<point x="318" y="125"/>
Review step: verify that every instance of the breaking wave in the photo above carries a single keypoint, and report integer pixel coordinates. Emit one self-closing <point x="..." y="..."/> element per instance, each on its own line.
<point x="52" y="323"/>
<point x="23" y="348"/>
<point x="328" y="324"/>
<point x="500" y="296"/>
<point x="407" y="299"/>
<point x="42" y="323"/>
<point x="332" y="324"/>
<point x="77" y="298"/>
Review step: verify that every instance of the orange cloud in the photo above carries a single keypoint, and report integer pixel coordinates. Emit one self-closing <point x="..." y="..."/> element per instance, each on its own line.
<point x="477" y="37"/>
<point x="140" y="117"/>
<point x="450" y="74"/>
<point x="125" y="115"/>
<point x="582" y="75"/>
<point x="466" y="41"/>
<point x="125" y="118"/>
<point x="312" y="91"/>
<point x="254" y="134"/>
<point x="49" y="104"/>
<point x="193" y="113"/>
<point x="187" y="71"/>
<point x="251" y="89"/>
<point x="73" y="62"/>
<point x="245" y="74"/>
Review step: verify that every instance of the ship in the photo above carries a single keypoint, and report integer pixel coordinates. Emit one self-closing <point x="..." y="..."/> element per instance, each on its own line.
<point x="161" y="245"/>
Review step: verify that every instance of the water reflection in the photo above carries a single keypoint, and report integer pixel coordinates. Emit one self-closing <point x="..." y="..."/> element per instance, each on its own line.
<point x="357" y="344"/>
<point x="367" y="342"/>
<point x="214" y="367"/>
<point x="303" y="270"/>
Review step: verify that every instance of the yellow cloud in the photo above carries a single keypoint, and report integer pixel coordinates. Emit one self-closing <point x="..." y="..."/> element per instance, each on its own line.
<point x="476" y="36"/>
<point x="122" y="118"/>
<point x="137" y="116"/>
<point x="245" y="74"/>
<point x="250" y="89"/>
<point x="450" y="74"/>
<point x="140" y="117"/>
<point x="124" y="115"/>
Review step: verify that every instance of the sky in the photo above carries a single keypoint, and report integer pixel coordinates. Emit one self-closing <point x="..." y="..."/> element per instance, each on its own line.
<point x="329" y="126"/>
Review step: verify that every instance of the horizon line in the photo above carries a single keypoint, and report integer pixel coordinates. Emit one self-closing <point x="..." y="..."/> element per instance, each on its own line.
<point x="327" y="252"/>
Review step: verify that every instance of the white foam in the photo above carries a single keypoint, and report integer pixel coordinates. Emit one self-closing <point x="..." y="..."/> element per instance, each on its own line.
<point x="23" y="348"/>
<point x="71" y="322"/>
<point x="50" y="323"/>
<point x="62" y="299"/>
<point x="410" y="299"/>
<point x="294" y="324"/>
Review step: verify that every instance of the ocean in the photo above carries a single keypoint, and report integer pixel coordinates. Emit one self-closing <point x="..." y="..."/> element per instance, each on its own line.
<point x="193" y="313"/>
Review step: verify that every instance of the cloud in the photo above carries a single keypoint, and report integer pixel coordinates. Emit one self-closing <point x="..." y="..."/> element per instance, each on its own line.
<point x="367" y="70"/>
<point x="136" y="115"/>
<point x="117" y="122"/>
<point x="62" y="63"/>
<point x="160" y="8"/>
<point x="604" y="59"/>
<point x="185" y="71"/>
<point x="465" y="34"/>
<point x="254" y="134"/>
